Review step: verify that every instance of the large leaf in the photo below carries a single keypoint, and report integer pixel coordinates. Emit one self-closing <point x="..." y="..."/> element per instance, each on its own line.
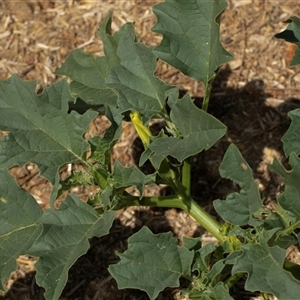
<point x="291" y="139"/>
<point x="152" y="263"/>
<point x="134" y="78"/>
<point x="64" y="239"/>
<point x="292" y="35"/>
<point x="238" y="208"/>
<point x="90" y="73"/>
<point x="40" y="129"/>
<point x="198" y="129"/>
<point x="290" y="198"/>
<point x="191" y="41"/>
<point x="19" y="213"/>
<point x="264" y="265"/>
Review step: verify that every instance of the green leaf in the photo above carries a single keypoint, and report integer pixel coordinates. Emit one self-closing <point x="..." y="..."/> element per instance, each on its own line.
<point x="101" y="146"/>
<point x="264" y="265"/>
<point x="220" y="291"/>
<point x="291" y="139"/>
<point x="290" y="198"/>
<point x="191" y="41"/>
<point x="199" y="130"/>
<point x="238" y="208"/>
<point x="40" y="129"/>
<point x="64" y="239"/>
<point x="208" y="284"/>
<point x="110" y="42"/>
<point x="89" y="74"/>
<point x="292" y="35"/>
<point x="132" y="176"/>
<point x="152" y="263"/>
<point x="203" y="257"/>
<point x="19" y="213"/>
<point x="217" y="292"/>
<point x="134" y="78"/>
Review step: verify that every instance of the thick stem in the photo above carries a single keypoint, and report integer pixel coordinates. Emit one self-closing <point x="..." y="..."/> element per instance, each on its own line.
<point x="203" y="218"/>
<point x="187" y="204"/>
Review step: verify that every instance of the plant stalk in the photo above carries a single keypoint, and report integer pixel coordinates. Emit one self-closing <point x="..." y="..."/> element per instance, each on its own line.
<point x="185" y="203"/>
<point x="291" y="228"/>
<point x="186" y="175"/>
<point x="206" y="96"/>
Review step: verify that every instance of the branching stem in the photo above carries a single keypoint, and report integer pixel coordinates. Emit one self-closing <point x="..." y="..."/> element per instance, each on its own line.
<point x="185" y="203"/>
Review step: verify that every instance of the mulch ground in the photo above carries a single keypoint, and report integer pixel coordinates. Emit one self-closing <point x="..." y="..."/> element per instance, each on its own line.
<point x="251" y="96"/>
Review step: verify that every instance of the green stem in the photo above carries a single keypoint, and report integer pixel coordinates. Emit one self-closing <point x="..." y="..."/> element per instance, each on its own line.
<point x="265" y="296"/>
<point x="185" y="203"/>
<point x="203" y="218"/>
<point x="233" y="279"/>
<point x="186" y="175"/>
<point x="206" y="96"/>
<point x="291" y="228"/>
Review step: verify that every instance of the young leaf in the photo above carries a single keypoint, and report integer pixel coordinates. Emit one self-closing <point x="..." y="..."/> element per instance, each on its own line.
<point x="101" y="146"/>
<point x="219" y="291"/>
<point x="292" y="35"/>
<point x="191" y="40"/>
<point x="199" y="131"/>
<point x="40" y="129"/>
<point x="125" y="177"/>
<point x="238" y="208"/>
<point x="152" y="263"/>
<point x="264" y="265"/>
<point x="19" y="213"/>
<point x="291" y="139"/>
<point x="64" y="239"/>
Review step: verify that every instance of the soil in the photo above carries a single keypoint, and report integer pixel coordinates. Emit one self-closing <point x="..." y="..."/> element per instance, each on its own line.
<point x="251" y="96"/>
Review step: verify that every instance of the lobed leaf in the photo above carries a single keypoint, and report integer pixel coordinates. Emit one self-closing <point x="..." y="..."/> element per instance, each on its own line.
<point x="132" y="176"/>
<point x="40" y="129"/>
<point x="290" y="198"/>
<point x="88" y="74"/>
<point x="134" y="78"/>
<point x="264" y="265"/>
<point x="191" y="41"/>
<point x="151" y="263"/>
<point x="199" y="130"/>
<point x="238" y="208"/>
<point x="19" y="213"/>
<point x="64" y="239"/>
